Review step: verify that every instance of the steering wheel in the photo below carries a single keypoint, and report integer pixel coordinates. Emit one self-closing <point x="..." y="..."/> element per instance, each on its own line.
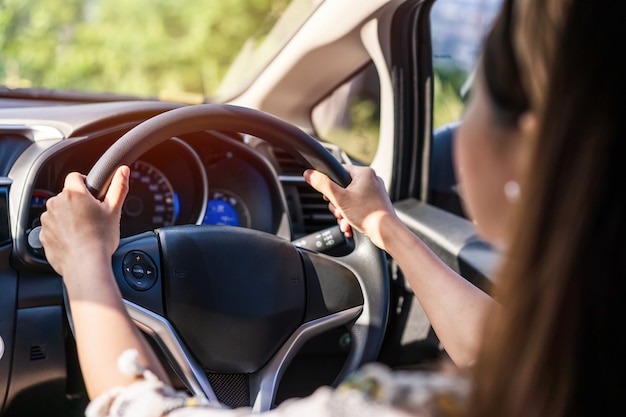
<point x="230" y="307"/>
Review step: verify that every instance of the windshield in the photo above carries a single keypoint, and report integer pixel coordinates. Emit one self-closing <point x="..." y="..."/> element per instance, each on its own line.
<point x="177" y="50"/>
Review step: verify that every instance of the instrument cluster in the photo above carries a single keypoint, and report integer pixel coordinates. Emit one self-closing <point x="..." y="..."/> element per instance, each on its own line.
<point x="195" y="180"/>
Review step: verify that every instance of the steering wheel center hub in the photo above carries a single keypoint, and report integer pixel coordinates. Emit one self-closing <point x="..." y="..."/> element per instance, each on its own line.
<point x="234" y="294"/>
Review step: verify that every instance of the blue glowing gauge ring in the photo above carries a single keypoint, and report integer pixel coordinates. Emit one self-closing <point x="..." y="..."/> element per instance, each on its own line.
<point x="225" y="208"/>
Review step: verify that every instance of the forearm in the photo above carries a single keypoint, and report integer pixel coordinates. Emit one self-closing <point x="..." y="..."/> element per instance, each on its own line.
<point x="455" y="307"/>
<point x="103" y="328"/>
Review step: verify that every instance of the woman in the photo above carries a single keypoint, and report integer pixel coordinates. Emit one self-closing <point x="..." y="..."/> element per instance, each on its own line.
<point x="537" y="157"/>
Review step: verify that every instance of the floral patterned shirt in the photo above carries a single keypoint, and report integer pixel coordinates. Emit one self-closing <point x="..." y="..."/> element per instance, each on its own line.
<point x="373" y="391"/>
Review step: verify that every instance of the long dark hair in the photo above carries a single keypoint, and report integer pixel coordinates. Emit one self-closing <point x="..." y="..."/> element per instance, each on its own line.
<point x="558" y="346"/>
<point x="500" y="71"/>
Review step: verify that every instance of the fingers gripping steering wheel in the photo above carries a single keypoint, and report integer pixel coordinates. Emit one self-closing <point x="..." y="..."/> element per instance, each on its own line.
<point x="224" y="301"/>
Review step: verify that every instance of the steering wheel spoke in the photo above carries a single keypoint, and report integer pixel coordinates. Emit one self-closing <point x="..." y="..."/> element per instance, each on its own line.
<point x="185" y="366"/>
<point x="269" y="377"/>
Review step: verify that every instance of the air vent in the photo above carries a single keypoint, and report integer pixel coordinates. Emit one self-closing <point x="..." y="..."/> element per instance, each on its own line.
<point x="307" y="208"/>
<point x="314" y="208"/>
<point x="287" y="164"/>
<point x="38" y="353"/>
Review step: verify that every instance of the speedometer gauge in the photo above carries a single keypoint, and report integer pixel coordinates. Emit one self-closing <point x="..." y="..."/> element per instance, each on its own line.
<point x="225" y="208"/>
<point x="151" y="202"/>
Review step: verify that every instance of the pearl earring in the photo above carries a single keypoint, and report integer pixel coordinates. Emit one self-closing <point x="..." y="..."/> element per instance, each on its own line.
<point x="512" y="191"/>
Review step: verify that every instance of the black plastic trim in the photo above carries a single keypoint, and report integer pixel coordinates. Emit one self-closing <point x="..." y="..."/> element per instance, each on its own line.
<point x="411" y="69"/>
<point x="453" y="239"/>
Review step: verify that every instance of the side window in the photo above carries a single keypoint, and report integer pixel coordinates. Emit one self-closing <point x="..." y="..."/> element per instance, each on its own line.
<point x="457" y="31"/>
<point x="350" y="116"/>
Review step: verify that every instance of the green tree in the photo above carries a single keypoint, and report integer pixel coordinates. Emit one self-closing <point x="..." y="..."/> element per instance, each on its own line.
<point x="171" y="48"/>
<point x="448" y="103"/>
<point x="30" y="31"/>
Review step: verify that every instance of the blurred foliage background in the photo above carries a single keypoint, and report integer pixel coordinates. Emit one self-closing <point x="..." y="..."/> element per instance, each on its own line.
<point x="142" y="47"/>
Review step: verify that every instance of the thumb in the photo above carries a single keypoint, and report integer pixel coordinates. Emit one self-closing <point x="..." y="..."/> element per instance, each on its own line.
<point x="118" y="189"/>
<point x="319" y="181"/>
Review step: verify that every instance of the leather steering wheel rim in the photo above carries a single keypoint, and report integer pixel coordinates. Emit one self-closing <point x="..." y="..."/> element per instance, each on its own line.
<point x="221" y="117"/>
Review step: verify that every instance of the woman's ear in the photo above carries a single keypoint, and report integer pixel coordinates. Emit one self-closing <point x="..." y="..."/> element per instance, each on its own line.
<point x="527" y="125"/>
<point x="527" y="121"/>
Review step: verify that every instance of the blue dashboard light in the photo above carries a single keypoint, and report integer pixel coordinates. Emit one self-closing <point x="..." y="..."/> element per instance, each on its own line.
<point x="221" y="212"/>
<point x="176" y="206"/>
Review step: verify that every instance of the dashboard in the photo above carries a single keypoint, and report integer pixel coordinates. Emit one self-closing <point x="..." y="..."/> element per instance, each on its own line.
<point x="202" y="178"/>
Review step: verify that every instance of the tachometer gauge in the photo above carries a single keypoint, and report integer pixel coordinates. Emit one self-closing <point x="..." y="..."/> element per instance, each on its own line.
<point x="151" y="202"/>
<point x="226" y="208"/>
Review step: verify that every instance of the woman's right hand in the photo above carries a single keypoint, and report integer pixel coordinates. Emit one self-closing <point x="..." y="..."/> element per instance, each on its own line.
<point x="364" y="204"/>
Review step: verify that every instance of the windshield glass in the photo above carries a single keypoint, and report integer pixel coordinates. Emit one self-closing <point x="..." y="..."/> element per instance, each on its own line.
<point x="177" y="50"/>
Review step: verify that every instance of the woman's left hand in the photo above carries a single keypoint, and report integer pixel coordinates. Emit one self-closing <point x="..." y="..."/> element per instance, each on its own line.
<point x="76" y="224"/>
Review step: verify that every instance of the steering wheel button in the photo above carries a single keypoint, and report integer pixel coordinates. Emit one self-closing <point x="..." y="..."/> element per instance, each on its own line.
<point x="141" y="285"/>
<point x="138" y="271"/>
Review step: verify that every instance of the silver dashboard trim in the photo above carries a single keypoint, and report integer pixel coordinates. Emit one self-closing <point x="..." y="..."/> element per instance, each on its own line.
<point x="205" y="178"/>
<point x="35" y="133"/>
